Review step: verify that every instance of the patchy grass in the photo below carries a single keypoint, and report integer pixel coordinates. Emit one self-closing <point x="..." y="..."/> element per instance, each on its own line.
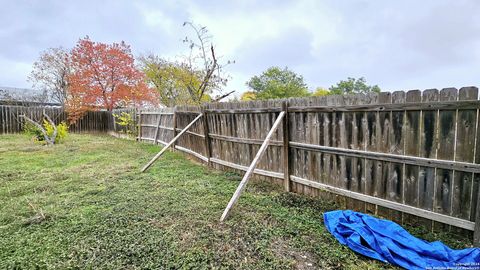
<point x="84" y="204"/>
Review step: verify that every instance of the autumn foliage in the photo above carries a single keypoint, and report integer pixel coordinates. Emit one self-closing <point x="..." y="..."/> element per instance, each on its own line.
<point x="104" y="76"/>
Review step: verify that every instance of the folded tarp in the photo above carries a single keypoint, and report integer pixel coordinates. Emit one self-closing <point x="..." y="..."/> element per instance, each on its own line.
<point x="388" y="242"/>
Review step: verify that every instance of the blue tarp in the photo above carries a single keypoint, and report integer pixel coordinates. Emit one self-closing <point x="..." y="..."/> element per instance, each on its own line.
<point x="388" y="242"/>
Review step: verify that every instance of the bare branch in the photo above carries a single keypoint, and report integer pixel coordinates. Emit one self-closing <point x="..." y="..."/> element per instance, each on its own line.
<point x="209" y="70"/>
<point x="45" y="135"/>
<point x="223" y="96"/>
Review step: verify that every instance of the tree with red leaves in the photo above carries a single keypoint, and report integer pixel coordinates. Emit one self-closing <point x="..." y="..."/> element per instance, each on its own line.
<point x="104" y="76"/>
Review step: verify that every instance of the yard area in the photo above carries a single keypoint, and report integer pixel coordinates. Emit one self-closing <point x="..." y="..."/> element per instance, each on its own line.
<point x="84" y="204"/>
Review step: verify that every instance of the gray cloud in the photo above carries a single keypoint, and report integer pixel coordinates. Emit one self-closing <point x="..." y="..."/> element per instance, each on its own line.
<point x="292" y="49"/>
<point x="398" y="45"/>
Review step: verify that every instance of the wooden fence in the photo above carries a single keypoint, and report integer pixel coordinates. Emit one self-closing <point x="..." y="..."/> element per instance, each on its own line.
<point x="412" y="157"/>
<point x="93" y="121"/>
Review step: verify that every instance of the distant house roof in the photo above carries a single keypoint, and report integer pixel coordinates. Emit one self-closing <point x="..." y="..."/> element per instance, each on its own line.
<point x="25" y="96"/>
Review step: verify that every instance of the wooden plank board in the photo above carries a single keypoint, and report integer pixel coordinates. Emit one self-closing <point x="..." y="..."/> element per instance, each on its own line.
<point x="412" y="148"/>
<point x="428" y="149"/>
<point x="396" y="170"/>
<point x="461" y="205"/>
<point x="446" y="150"/>
<point x="383" y="145"/>
<point x="369" y="131"/>
<point x="286" y="149"/>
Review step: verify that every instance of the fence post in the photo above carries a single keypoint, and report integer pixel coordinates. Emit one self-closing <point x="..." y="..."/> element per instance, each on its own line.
<point x="114" y="123"/>
<point x="174" y="125"/>
<point x="476" y="232"/>
<point x="286" y="152"/>
<point x="139" y="138"/>
<point x="208" y="150"/>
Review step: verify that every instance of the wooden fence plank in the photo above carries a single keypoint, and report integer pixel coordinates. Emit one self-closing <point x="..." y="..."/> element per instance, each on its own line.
<point x="369" y="134"/>
<point x="428" y="149"/>
<point x="412" y="148"/>
<point x="461" y="204"/>
<point x="383" y="145"/>
<point x="286" y="149"/>
<point x="446" y="148"/>
<point x="395" y="182"/>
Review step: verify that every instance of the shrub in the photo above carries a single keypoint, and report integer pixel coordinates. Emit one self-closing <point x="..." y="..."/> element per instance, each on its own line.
<point x="37" y="134"/>
<point x="33" y="131"/>
<point x="126" y="121"/>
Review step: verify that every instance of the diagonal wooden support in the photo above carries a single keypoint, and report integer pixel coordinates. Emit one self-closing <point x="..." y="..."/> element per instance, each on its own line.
<point x="170" y="143"/>
<point x="251" y="168"/>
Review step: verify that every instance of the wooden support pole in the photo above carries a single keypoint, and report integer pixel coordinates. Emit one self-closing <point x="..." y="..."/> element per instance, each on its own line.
<point x="251" y="168"/>
<point x="139" y="138"/>
<point x="171" y="143"/>
<point x="207" y="138"/>
<point x="286" y="154"/>
<point x="476" y="232"/>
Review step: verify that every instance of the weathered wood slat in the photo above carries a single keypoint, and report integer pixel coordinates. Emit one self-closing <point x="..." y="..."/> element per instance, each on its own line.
<point x="384" y="131"/>
<point x="395" y="182"/>
<point x="371" y="166"/>
<point x="286" y="149"/>
<point x="428" y="149"/>
<point x="412" y="148"/>
<point x="446" y="150"/>
<point x="464" y="151"/>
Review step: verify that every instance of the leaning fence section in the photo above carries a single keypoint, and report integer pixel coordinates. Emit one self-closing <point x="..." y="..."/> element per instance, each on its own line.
<point x="409" y="156"/>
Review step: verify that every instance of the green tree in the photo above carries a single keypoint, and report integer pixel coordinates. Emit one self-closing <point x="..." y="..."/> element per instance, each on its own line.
<point x="171" y="80"/>
<point x="248" y="95"/>
<point x="320" y="92"/>
<point x="278" y="83"/>
<point x="353" y="86"/>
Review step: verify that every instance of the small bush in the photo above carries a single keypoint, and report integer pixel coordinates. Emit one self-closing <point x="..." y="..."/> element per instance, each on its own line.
<point x="33" y="132"/>
<point x="62" y="130"/>
<point x="37" y="135"/>
<point x="126" y="121"/>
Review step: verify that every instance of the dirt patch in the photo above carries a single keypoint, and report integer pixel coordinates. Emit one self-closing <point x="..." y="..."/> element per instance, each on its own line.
<point x="302" y="260"/>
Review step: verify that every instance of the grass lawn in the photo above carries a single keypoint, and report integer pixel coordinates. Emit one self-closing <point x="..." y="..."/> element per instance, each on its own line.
<point x="84" y="204"/>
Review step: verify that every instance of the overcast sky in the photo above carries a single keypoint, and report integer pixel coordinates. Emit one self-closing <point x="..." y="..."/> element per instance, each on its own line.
<point x="398" y="45"/>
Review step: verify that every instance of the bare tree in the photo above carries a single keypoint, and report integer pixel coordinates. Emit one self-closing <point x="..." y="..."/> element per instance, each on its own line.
<point x="50" y="73"/>
<point x="203" y="63"/>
